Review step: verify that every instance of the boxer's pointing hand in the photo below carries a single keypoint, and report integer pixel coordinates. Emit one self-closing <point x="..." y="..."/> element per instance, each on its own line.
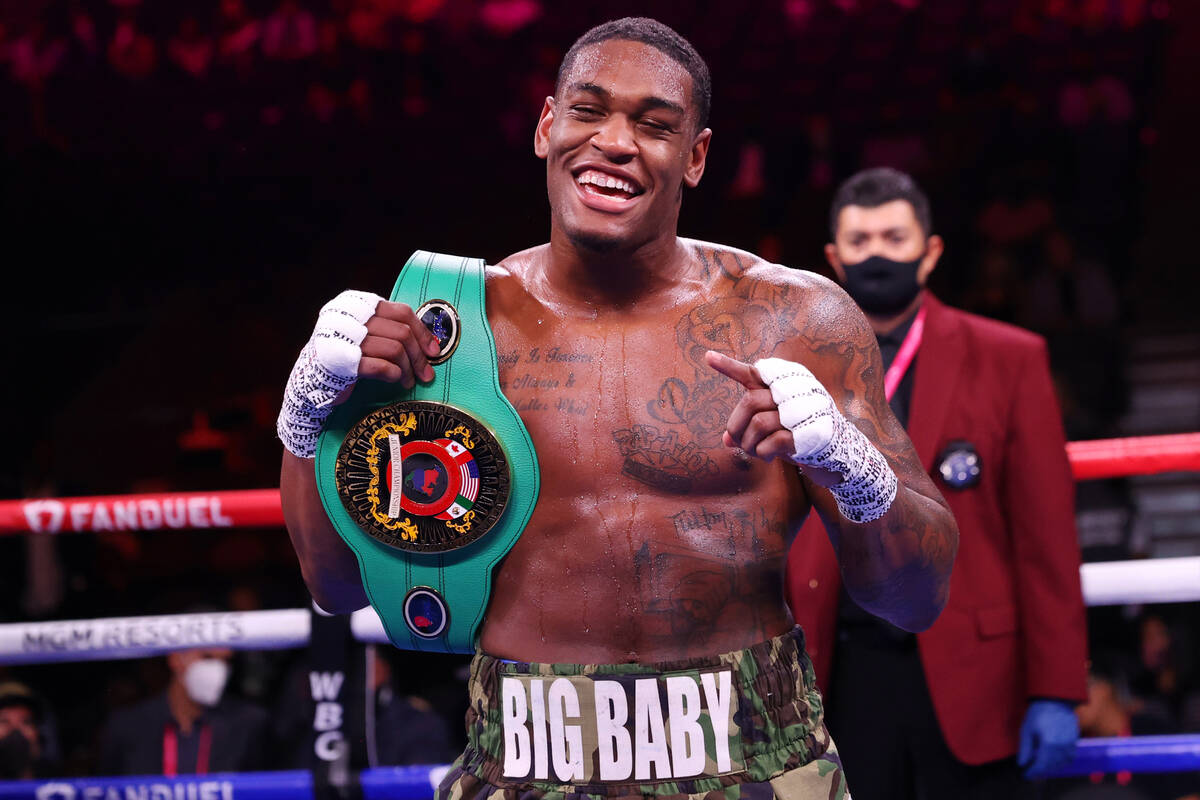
<point x="740" y="371"/>
<point x="757" y="427"/>
<point x="754" y="424"/>
<point x="787" y="412"/>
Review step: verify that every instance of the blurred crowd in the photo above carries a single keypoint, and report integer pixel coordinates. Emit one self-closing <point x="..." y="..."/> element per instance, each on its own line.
<point x="235" y="138"/>
<point x="236" y="162"/>
<point x="258" y="706"/>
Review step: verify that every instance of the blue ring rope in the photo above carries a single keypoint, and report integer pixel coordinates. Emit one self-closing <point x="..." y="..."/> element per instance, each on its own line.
<point x="1177" y="753"/>
<point x="1180" y="753"/>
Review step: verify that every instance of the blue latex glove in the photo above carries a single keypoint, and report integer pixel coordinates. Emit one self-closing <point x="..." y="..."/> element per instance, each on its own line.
<point x="1048" y="737"/>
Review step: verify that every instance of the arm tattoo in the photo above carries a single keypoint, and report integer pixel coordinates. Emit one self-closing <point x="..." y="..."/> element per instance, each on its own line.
<point x="905" y="557"/>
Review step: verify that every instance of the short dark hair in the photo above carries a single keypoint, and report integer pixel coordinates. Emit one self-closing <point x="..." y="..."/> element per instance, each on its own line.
<point x="874" y="187"/>
<point x="662" y="38"/>
<point x="13" y="693"/>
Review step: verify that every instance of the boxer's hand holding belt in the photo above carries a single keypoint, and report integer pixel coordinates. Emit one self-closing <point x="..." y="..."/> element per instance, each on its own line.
<point x="787" y="412"/>
<point x="358" y="334"/>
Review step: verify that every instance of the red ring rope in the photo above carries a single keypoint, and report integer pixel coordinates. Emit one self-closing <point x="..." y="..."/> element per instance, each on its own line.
<point x="1140" y="455"/>
<point x="259" y="508"/>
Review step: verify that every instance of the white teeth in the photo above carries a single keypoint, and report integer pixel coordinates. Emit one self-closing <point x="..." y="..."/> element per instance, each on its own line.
<point x="597" y="178"/>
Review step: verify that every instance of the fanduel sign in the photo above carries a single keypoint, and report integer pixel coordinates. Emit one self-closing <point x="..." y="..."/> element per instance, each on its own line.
<point x="137" y="790"/>
<point x="146" y="514"/>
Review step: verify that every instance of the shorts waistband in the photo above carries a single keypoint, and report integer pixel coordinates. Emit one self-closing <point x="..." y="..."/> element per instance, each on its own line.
<point x="754" y="714"/>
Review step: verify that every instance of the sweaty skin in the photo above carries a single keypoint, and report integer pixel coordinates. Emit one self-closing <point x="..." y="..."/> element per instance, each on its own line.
<point x="626" y="352"/>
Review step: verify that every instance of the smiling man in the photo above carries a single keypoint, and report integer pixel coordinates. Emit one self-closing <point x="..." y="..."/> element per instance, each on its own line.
<point x="690" y="404"/>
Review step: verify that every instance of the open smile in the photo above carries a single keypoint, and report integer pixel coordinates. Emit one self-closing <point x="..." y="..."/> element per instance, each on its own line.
<point x="605" y="191"/>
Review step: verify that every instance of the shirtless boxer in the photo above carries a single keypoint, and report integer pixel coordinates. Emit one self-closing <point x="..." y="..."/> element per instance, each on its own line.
<point x="637" y="642"/>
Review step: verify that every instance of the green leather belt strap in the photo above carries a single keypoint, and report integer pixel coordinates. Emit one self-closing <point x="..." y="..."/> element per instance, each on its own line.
<point x="468" y="381"/>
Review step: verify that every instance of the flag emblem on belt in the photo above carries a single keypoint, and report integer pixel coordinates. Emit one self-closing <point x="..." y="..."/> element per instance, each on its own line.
<point x="422" y="476"/>
<point x="438" y="478"/>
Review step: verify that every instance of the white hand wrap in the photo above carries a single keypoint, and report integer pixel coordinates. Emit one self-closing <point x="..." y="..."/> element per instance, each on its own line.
<point x="326" y="366"/>
<point x="826" y="439"/>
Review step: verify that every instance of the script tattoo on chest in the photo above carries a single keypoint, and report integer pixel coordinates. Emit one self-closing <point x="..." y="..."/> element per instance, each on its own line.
<point x="532" y="388"/>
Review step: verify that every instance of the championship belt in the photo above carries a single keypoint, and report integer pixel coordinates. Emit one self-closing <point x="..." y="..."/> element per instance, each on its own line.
<point x="431" y="486"/>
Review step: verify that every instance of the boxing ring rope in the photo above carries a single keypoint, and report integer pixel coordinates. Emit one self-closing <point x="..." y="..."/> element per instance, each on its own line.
<point x="1160" y="580"/>
<point x="1136" y="455"/>
<point x="117" y="638"/>
<point x="1140" y="754"/>
<point x="260" y="508"/>
<point x="1106" y="583"/>
<point x="394" y="783"/>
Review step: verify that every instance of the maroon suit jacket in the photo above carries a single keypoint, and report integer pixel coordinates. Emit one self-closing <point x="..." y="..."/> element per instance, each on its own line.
<point x="1014" y="626"/>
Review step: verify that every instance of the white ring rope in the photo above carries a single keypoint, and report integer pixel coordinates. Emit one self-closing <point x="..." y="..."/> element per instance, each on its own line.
<point x="1156" y="580"/>
<point x="1162" y="580"/>
<point x="141" y="637"/>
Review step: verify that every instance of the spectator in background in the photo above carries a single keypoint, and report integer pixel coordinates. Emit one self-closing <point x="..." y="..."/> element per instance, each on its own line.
<point x="987" y="692"/>
<point x="822" y="159"/>
<point x="505" y="17"/>
<point x="1017" y="213"/>
<point x="1109" y="712"/>
<point x="190" y="50"/>
<point x="1163" y="682"/>
<point x="332" y="74"/>
<point x="85" y="41"/>
<point x="1072" y="301"/>
<point x="289" y="33"/>
<point x="22" y="744"/>
<point x="131" y="53"/>
<point x="367" y="25"/>
<point x="1105" y="99"/>
<point x="995" y="290"/>
<point x="896" y="143"/>
<point x="190" y="728"/>
<point x="407" y="728"/>
<point x="37" y="55"/>
<point x="1067" y="292"/>
<point x="238" y="34"/>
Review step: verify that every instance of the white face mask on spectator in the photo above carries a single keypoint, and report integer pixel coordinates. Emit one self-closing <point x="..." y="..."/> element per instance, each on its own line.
<point x="205" y="680"/>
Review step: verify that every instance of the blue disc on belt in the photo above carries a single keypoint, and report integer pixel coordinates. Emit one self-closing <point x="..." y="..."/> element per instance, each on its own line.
<point x="425" y="612"/>
<point x="442" y="320"/>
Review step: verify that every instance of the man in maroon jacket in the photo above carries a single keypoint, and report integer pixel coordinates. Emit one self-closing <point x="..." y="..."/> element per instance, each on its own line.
<point x="942" y="713"/>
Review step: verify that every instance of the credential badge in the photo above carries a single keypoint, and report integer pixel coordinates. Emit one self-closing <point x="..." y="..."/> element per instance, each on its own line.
<point x="960" y="465"/>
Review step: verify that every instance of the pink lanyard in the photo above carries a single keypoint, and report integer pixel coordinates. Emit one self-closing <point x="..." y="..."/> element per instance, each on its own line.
<point x="171" y="750"/>
<point x="908" y="350"/>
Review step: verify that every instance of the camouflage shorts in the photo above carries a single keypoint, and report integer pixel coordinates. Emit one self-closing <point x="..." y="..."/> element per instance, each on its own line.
<point x="743" y="724"/>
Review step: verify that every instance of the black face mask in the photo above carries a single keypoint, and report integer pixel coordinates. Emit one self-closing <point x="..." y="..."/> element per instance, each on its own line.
<point x="16" y="756"/>
<point x="882" y="286"/>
